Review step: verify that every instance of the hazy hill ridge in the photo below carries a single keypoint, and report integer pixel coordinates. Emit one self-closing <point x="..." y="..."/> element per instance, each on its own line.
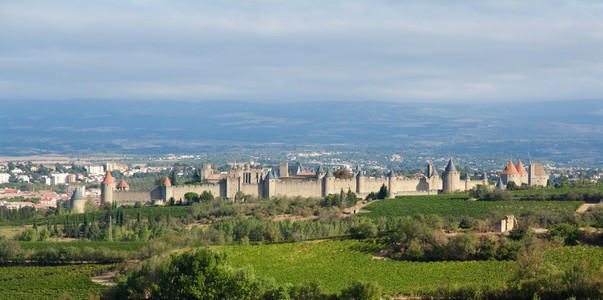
<point x="551" y="129"/>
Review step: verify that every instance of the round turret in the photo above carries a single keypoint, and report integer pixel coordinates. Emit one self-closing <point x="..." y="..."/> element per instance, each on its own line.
<point x="78" y="203"/>
<point x="107" y="189"/>
<point x="328" y="183"/>
<point x="450" y="178"/>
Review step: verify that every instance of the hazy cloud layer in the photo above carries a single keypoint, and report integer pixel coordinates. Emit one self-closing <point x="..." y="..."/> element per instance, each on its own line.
<point x="302" y="50"/>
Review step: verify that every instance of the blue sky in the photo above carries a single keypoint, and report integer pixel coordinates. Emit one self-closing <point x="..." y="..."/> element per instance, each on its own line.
<point x="278" y="51"/>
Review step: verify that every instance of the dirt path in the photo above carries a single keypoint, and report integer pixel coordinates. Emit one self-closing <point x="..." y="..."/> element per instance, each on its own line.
<point x="584" y="207"/>
<point x="292" y="218"/>
<point x="105" y="278"/>
<point x="356" y="208"/>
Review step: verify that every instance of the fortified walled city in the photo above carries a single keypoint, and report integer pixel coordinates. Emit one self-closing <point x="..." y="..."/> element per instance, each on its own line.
<point x="295" y="180"/>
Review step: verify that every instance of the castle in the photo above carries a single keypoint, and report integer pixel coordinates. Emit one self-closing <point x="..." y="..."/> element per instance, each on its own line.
<point x="535" y="176"/>
<point x="294" y="180"/>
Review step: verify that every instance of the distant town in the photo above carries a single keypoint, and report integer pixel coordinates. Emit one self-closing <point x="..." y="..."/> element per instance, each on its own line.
<point x="49" y="183"/>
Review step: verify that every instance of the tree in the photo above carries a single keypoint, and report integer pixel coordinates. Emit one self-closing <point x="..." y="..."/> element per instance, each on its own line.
<point x="197" y="176"/>
<point x="383" y="192"/>
<point x="8" y="249"/>
<point x="362" y="291"/>
<point x="372" y="196"/>
<point x="466" y="223"/>
<point x="511" y="185"/>
<point x="350" y="198"/>
<point x="191" y="197"/>
<point x="174" y="178"/>
<point x="364" y="230"/>
<point x="462" y="247"/>
<point x="565" y="232"/>
<point x="342" y="174"/>
<point x="196" y="274"/>
<point x="206" y="196"/>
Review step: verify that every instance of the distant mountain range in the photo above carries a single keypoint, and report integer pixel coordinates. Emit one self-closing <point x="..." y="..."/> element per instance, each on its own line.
<point x="561" y="131"/>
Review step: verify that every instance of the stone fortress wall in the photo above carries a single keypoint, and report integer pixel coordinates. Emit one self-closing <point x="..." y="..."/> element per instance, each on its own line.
<point x="297" y="182"/>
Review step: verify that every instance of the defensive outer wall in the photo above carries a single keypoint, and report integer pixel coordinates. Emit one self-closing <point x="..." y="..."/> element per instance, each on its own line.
<point x="268" y="184"/>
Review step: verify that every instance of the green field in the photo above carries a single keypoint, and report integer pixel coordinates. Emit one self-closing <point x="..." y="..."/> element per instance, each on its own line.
<point x="457" y="206"/>
<point x="335" y="264"/>
<point x="50" y="282"/>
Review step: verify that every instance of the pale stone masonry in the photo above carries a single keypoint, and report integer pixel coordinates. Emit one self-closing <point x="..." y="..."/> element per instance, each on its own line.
<point x="295" y="181"/>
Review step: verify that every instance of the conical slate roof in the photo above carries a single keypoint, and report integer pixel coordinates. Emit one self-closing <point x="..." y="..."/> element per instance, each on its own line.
<point x="450" y="167"/>
<point x="500" y="185"/>
<point x="329" y="173"/>
<point x="434" y="172"/>
<point x="391" y="174"/>
<point x="467" y="177"/>
<point x="275" y="174"/>
<point x="78" y="194"/>
<point x="271" y="176"/>
<point x="108" y="179"/>
<point x="320" y="170"/>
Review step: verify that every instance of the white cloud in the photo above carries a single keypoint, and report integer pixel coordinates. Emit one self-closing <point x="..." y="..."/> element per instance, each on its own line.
<point x="303" y="50"/>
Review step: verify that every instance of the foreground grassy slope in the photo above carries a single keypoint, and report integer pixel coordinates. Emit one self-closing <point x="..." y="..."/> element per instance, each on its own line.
<point x="335" y="264"/>
<point x="457" y="205"/>
<point x="50" y="282"/>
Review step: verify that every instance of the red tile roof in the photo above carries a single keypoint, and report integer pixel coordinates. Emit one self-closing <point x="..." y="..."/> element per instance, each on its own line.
<point x="167" y="182"/>
<point x="539" y="170"/>
<point x="123" y="184"/>
<point x="510" y="169"/>
<point x="108" y="179"/>
<point x="520" y="168"/>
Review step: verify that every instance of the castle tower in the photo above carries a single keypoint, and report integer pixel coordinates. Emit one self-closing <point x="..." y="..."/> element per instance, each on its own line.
<point x="270" y="185"/>
<point x="320" y="172"/>
<point x="485" y="179"/>
<point x="509" y="174"/>
<point x="107" y="189"/>
<point x="123" y="186"/>
<point x="328" y="183"/>
<point x="360" y="182"/>
<point x="284" y="169"/>
<point x="78" y="203"/>
<point x="431" y="171"/>
<point x="537" y="175"/>
<point x="450" y="178"/>
<point x="391" y="182"/>
<point x="166" y="190"/>
<point x="233" y="182"/>
<point x="523" y="175"/>
<point x="206" y="170"/>
<point x="500" y="185"/>
<point x="466" y="181"/>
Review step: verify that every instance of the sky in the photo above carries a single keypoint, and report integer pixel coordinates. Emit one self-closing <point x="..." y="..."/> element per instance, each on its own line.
<point x="295" y="51"/>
